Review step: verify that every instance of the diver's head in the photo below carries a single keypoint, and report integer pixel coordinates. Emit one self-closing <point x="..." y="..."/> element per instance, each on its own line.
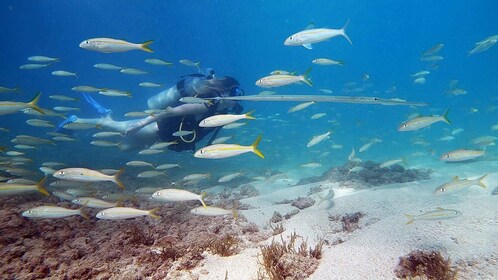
<point x="231" y="86"/>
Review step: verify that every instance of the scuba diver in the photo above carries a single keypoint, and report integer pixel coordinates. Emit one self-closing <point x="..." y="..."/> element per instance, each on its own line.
<point x="176" y="120"/>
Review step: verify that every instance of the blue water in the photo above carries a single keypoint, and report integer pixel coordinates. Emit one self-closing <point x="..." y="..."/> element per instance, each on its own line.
<point x="244" y="39"/>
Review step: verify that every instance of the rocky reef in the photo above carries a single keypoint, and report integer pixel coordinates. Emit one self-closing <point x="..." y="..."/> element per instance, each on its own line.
<point x="368" y="174"/>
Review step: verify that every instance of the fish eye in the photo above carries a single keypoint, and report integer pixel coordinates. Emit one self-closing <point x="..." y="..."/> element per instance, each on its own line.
<point x="86" y="42"/>
<point x="375" y="99"/>
<point x="442" y="189"/>
<point x="447" y="156"/>
<point x="290" y="38"/>
<point x="61" y="172"/>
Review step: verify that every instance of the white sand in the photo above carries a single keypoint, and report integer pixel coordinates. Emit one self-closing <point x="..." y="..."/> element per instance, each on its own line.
<point x="373" y="251"/>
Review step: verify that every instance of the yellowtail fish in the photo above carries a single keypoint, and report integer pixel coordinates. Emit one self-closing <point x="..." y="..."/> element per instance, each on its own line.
<point x="392" y="162"/>
<point x="368" y="145"/>
<point x="39" y="123"/>
<point x="195" y="100"/>
<point x="30" y="140"/>
<point x="150" y="174"/>
<point x="7" y="90"/>
<point x="326" y="61"/>
<point x="283" y="80"/>
<point x="94" y="202"/>
<point x="318" y="138"/>
<point x="421" y="122"/>
<point x="149" y="84"/>
<point x="24" y="147"/>
<point x="65" y="109"/>
<point x="50" y="212"/>
<point x="318" y="116"/>
<point x="310" y="36"/>
<point x="458" y="184"/>
<point x="109" y="45"/>
<point x="221" y="140"/>
<point x="81" y="126"/>
<point x="155" y="61"/>
<point x="43" y="59"/>
<point x="461" y="155"/>
<point x="438" y="214"/>
<point x="121" y="213"/>
<point x="162" y="145"/>
<point x="217" y="151"/>
<point x="190" y="63"/>
<point x="132" y="71"/>
<point x="21" y="181"/>
<point x="62" y="73"/>
<point x="221" y="120"/>
<point x="103" y="143"/>
<point x="9" y="107"/>
<point x="63" y="98"/>
<point x="182" y="133"/>
<point x="63" y="139"/>
<point x="233" y="125"/>
<point x="300" y="107"/>
<point x="196" y="176"/>
<point x="87" y="175"/>
<point x="107" y="66"/>
<point x="147" y="152"/>
<point x="106" y="134"/>
<point x="32" y="66"/>
<point x="176" y="195"/>
<point x="212" y="211"/>
<point x="9" y="189"/>
<point x="139" y="163"/>
<point x="44" y="112"/>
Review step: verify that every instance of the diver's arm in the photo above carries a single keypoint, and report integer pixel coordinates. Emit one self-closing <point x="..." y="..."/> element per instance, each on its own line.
<point x="182" y="110"/>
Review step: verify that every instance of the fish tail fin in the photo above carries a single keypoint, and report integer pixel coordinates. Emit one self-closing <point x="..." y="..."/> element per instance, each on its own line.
<point x="445" y="116"/>
<point x="17" y="89"/>
<point x="32" y="104"/>
<point x="481" y="183"/>
<point x="82" y="211"/>
<point x="411" y="219"/>
<point x="201" y="198"/>
<point x="116" y="178"/>
<point x="152" y="213"/>
<point x="340" y="62"/>
<point x="145" y="46"/>
<point x="198" y="65"/>
<point x="255" y="147"/>
<point x="40" y="188"/>
<point x="343" y="32"/>
<point x="306" y="78"/>
<point x="3" y="149"/>
<point x="249" y="116"/>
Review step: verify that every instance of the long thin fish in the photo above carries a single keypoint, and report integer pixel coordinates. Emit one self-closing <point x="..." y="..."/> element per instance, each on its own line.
<point x="321" y="98"/>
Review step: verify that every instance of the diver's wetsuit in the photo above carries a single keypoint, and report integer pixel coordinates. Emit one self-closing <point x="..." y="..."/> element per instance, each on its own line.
<point x="168" y="126"/>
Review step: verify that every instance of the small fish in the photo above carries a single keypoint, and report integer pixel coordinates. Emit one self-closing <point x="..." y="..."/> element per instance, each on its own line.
<point x="315" y="35"/>
<point x="63" y="195"/>
<point x="63" y="139"/>
<point x="436" y="48"/>
<point x="282" y="72"/>
<point x="132" y="71"/>
<point x="32" y="66"/>
<point x="86" y="89"/>
<point x="195" y="100"/>
<point x="103" y="143"/>
<point x="147" y="190"/>
<point x="484" y="45"/>
<point x="175" y="195"/>
<point x="65" y="109"/>
<point x="300" y="107"/>
<point x="106" y="66"/>
<point x="115" y="93"/>
<point x="39" y="123"/>
<point x="392" y="162"/>
<point x="421" y="74"/>
<point x="106" y="134"/>
<point x="24" y="147"/>
<point x="224" y="119"/>
<point x="218" y="151"/>
<point x="328" y="197"/>
<point x="46" y="170"/>
<point x="87" y="175"/>
<point x="182" y="133"/>
<point x="458" y="184"/>
<point x="311" y="165"/>
<point x="367" y="146"/>
<point x="155" y="61"/>
<point x="221" y="140"/>
<point x="149" y="152"/>
<point x="81" y="126"/>
<point x="136" y="114"/>
<point x="62" y="73"/>
<point x="318" y="138"/>
<point x="318" y="116"/>
<point x="326" y="61"/>
<point x="12" y="189"/>
<point x="167" y="166"/>
<point x="109" y="171"/>
<point x="139" y="163"/>
<point x="461" y="155"/>
<point x="49" y="212"/>
<point x="21" y="181"/>
<point x="9" y="107"/>
<point x="150" y="174"/>
<point x="43" y="59"/>
<point x="438" y="214"/>
<point x="419" y="81"/>
<point x="109" y="45"/>
<point x="432" y="58"/>
<point x="421" y="122"/>
<point x="149" y="84"/>
<point x="190" y="63"/>
<point x="212" y="211"/>
<point x="196" y="176"/>
<point x="63" y="98"/>
<point x="52" y="164"/>
<point x="283" y="80"/>
<point x="229" y="177"/>
<point x="30" y="140"/>
<point x="43" y="112"/>
<point x="356" y="169"/>
<point x="94" y="202"/>
<point x="120" y="213"/>
<point x="7" y="90"/>
<point x="162" y="145"/>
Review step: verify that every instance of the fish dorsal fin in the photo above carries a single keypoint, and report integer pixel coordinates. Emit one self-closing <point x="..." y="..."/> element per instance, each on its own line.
<point x="456" y="178"/>
<point x="439" y="208"/>
<point x="311" y="25"/>
<point x="308" y="46"/>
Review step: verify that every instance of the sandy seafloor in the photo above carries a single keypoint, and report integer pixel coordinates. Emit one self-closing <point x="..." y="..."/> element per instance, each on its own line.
<point x="373" y="250"/>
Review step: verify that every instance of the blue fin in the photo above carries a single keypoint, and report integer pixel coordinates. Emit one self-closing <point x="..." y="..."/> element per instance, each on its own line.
<point x="100" y="109"/>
